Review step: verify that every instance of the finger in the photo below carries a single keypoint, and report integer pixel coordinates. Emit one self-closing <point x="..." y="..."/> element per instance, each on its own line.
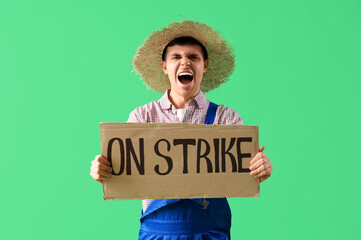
<point x="258" y="170"/>
<point x="102" y="159"/>
<point x="263" y="173"/>
<point x="102" y="166"/>
<point x="257" y="164"/>
<point x="96" y="159"/>
<point x="105" y="168"/>
<point x="96" y="177"/>
<point x="101" y="173"/>
<point x="269" y="170"/>
<point x="268" y="173"/>
<point x="268" y="162"/>
<point x="261" y="179"/>
<point x="268" y="165"/>
<point x="104" y="173"/>
<point x="260" y="150"/>
<point x="258" y="156"/>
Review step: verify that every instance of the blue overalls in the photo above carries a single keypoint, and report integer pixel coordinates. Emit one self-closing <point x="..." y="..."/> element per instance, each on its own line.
<point x="187" y="219"/>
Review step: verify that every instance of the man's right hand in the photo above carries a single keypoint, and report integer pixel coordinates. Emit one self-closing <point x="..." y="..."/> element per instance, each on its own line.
<point x="100" y="168"/>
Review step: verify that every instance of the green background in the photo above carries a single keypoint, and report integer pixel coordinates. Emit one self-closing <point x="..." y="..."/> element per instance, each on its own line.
<point x="65" y="66"/>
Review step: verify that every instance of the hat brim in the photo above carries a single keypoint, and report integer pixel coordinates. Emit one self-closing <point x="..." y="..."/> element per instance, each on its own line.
<point x="148" y="60"/>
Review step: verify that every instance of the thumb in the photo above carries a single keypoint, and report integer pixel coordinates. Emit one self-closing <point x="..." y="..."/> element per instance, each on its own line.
<point x="261" y="149"/>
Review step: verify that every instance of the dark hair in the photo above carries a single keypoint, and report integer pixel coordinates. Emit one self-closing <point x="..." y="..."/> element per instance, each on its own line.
<point x="185" y="41"/>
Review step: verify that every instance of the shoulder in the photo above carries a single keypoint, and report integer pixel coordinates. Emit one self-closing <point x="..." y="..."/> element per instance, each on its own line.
<point x="227" y="116"/>
<point x="143" y="113"/>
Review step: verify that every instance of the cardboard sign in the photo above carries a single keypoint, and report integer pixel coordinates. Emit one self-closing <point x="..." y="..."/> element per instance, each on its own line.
<point x="173" y="160"/>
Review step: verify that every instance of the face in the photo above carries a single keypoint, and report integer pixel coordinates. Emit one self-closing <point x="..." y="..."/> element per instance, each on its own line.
<point x="185" y="66"/>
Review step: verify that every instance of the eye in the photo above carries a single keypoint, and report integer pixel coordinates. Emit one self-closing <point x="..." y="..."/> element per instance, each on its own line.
<point x="176" y="57"/>
<point x="194" y="57"/>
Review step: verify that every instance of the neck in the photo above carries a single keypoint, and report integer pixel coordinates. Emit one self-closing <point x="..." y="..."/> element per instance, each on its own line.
<point x="179" y="101"/>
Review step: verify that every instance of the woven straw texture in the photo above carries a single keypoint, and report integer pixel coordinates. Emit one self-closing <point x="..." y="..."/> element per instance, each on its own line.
<point x="148" y="60"/>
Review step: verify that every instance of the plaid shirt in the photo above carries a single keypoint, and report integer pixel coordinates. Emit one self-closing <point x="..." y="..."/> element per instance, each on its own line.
<point x="163" y="111"/>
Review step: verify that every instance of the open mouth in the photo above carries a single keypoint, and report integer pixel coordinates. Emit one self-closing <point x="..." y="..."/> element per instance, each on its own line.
<point x="185" y="78"/>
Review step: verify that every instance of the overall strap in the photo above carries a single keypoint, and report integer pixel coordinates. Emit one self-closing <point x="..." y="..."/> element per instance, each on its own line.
<point x="211" y="113"/>
<point x="210" y="116"/>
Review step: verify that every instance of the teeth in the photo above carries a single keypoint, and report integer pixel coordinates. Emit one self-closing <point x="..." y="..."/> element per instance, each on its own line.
<point x="185" y="74"/>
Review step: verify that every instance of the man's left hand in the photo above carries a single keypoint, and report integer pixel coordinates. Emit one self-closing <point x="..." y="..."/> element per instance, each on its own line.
<point x="260" y="166"/>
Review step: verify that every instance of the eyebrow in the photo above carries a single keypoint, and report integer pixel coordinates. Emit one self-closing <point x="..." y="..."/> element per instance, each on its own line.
<point x="194" y="55"/>
<point x="191" y="55"/>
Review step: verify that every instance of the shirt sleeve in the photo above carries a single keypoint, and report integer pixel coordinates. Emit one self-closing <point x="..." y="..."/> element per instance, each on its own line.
<point x="228" y="116"/>
<point x="235" y="118"/>
<point x="137" y="116"/>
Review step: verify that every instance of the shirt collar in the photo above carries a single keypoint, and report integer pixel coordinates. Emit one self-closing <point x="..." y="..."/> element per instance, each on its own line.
<point x="164" y="101"/>
<point x="200" y="101"/>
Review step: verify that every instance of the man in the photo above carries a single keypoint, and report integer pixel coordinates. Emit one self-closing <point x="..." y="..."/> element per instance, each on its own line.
<point x="181" y="60"/>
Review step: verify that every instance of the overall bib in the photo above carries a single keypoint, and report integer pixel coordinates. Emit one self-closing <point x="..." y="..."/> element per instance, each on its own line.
<point x="187" y="219"/>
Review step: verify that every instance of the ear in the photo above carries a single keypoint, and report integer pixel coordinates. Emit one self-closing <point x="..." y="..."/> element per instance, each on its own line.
<point x="206" y="62"/>
<point x="164" y="67"/>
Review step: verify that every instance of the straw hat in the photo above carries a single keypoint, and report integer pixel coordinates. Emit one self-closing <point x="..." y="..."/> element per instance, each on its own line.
<point x="148" y="60"/>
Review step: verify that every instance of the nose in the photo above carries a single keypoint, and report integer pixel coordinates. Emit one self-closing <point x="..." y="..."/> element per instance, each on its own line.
<point x="185" y="62"/>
